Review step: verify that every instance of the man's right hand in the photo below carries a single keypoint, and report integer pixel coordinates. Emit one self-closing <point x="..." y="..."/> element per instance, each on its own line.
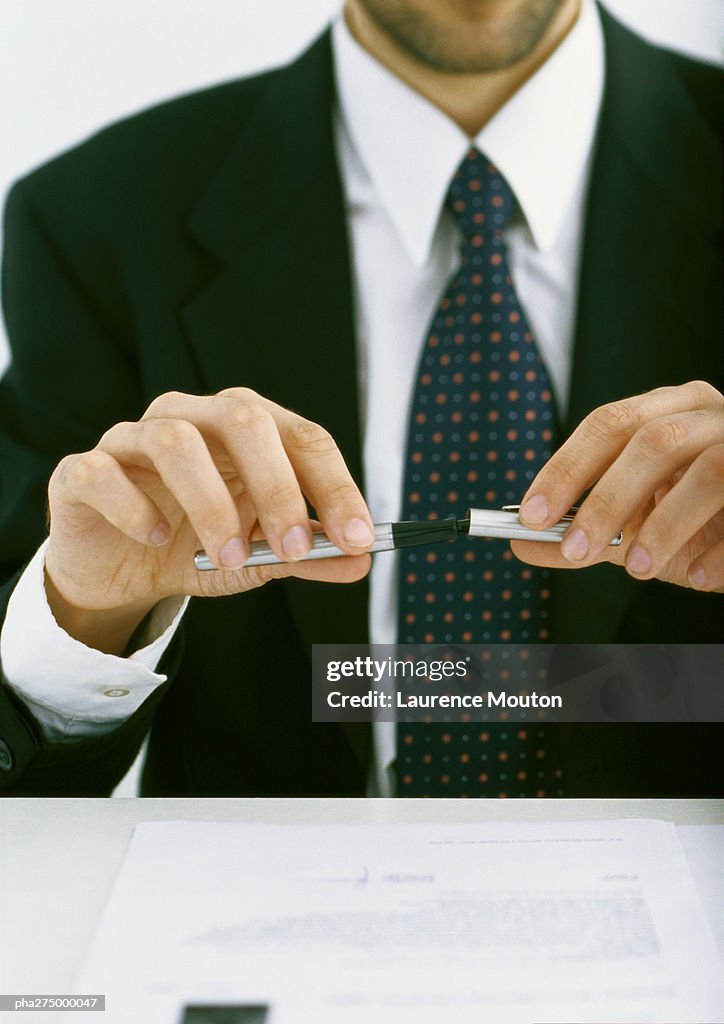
<point x="211" y="472"/>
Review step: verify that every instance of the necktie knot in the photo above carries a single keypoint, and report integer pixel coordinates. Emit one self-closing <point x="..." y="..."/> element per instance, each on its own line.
<point x="479" y="197"/>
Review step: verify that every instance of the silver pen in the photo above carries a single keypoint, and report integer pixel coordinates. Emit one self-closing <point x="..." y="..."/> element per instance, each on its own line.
<point x="490" y="522"/>
<point x="478" y="522"/>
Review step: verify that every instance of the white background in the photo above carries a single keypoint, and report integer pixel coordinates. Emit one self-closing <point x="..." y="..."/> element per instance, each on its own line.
<point x="68" y="67"/>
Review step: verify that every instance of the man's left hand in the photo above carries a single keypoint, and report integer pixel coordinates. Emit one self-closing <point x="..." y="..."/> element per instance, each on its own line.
<point x="655" y="463"/>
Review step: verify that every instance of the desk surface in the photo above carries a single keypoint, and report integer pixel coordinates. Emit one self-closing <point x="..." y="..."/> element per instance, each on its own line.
<point x="58" y="858"/>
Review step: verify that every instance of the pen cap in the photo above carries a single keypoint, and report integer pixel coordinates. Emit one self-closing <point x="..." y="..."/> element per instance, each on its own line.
<point x="489" y="522"/>
<point x="485" y="522"/>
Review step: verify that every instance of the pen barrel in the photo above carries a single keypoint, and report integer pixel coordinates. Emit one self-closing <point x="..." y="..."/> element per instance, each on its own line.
<point x="322" y="547"/>
<point x="494" y="523"/>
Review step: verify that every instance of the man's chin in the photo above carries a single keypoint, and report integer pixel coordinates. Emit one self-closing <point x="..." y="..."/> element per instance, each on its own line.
<point x="465" y="38"/>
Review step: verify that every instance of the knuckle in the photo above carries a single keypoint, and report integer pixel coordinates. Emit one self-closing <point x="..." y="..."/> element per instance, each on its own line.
<point x="123" y="428"/>
<point x="246" y="394"/>
<point x="64" y="465"/>
<point x="705" y="392"/>
<point x="61" y="474"/>
<point x="655" y="534"/>
<point x="168" y="399"/>
<point x="173" y="437"/>
<point x="281" y="498"/>
<point x="660" y="436"/>
<point x="342" y="493"/>
<point x="711" y="464"/>
<point x="257" y="575"/>
<point x="218" y="521"/>
<point x="565" y="468"/>
<point x="91" y="469"/>
<point x="312" y="437"/>
<point x="600" y="506"/>
<point x="244" y="415"/>
<point x="215" y="585"/>
<point x="613" y="419"/>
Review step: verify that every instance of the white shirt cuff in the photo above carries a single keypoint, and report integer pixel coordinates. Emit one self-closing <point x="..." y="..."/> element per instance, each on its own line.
<point x="74" y="691"/>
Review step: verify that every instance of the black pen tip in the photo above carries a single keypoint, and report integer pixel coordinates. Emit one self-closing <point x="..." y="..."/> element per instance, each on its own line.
<point x="426" y="531"/>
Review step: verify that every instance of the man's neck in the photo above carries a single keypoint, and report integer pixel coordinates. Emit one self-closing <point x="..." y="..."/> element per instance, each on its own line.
<point x="470" y="100"/>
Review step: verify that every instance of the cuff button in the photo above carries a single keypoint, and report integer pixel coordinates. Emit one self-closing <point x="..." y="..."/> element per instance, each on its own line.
<point x="116" y="693"/>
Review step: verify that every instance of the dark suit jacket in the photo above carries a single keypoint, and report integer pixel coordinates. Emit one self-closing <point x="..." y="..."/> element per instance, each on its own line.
<point x="203" y="244"/>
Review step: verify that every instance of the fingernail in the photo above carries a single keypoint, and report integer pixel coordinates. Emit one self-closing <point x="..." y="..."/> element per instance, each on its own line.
<point x="638" y="560"/>
<point x="698" y="577"/>
<point x="296" y="542"/>
<point x="575" y="545"/>
<point x="160" y="534"/>
<point x="358" y="534"/>
<point x="534" y="510"/>
<point x="233" y="554"/>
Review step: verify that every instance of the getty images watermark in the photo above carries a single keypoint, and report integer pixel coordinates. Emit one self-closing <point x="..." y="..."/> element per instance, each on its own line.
<point x="518" y="682"/>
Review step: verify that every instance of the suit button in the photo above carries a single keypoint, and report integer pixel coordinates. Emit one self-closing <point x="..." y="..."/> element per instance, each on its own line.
<point x="6" y="757"/>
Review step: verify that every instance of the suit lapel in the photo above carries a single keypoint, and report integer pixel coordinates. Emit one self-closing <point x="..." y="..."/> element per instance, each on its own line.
<point x="648" y="287"/>
<point x="652" y="223"/>
<point x="277" y="316"/>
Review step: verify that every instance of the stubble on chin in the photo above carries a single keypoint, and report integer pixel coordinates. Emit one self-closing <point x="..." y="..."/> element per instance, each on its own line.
<point x="469" y="38"/>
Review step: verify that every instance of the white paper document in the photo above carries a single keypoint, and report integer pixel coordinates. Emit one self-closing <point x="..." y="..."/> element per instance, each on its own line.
<point x="357" y="924"/>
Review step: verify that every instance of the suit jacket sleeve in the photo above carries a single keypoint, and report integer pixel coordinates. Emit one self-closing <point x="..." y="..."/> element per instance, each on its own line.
<point x="59" y="331"/>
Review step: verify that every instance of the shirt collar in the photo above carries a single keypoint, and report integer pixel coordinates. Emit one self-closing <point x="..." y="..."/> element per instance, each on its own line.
<point x="541" y="139"/>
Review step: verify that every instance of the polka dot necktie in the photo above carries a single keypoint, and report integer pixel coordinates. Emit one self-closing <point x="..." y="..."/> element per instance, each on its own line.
<point x="482" y="423"/>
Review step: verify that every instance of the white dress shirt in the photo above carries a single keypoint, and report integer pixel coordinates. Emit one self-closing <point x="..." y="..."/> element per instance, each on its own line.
<point x="398" y="153"/>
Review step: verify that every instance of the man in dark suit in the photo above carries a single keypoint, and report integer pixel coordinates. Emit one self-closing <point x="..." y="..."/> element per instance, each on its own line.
<point x="202" y="249"/>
